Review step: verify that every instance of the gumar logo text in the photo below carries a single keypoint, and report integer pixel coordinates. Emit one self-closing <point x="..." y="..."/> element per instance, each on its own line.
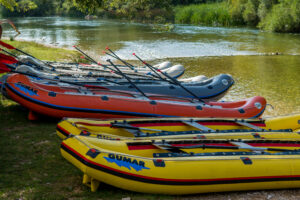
<point x="124" y="161"/>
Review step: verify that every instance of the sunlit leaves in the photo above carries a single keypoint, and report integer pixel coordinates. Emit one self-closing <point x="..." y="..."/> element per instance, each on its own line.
<point x="22" y="5"/>
<point x="138" y="8"/>
<point x="250" y="12"/>
<point x="10" y="4"/>
<point x="87" y="6"/>
<point x="127" y="8"/>
<point x="283" y="17"/>
<point x="26" y="5"/>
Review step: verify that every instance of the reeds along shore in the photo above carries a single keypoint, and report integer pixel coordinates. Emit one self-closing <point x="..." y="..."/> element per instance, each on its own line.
<point x="269" y="15"/>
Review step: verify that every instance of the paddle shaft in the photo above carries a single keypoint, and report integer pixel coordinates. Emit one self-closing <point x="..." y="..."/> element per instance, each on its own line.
<point x="128" y="79"/>
<point x="87" y="56"/>
<point x="116" y="56"/>
<point x="91" y="59"/>
<point x="203" y="146"/>
<point x="12" y="69"/>
<point x="8" y="46"/>
<point x="128" y="126"/>
<point x="95" y="62"/>
<point x="154" y="70"/>
<point x="173" y="79"/>
<point x="13" y="55"/>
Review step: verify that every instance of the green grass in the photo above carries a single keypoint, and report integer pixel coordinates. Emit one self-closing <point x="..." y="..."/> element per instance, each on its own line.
<point x="32" y="167"/>
<point x="44" y="52"/>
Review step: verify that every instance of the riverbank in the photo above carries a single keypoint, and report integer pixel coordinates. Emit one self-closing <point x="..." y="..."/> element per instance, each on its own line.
<point x="268" y="15"/>
<point x="44" y="52"/>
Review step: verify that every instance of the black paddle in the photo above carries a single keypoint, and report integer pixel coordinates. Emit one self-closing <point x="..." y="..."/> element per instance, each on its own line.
<point x="171" y="78"/>
<point x="126" y="63"/>
<point x="9" y="68"/>
<point x="204" y="146"/>
<point x="116" y="56"/>
<point x="128" y="126"/>
<point x="13" y="55"/>
<point x="174" y="81"/>
<point x="8" y="46"/>
<point x="105" y="66"/>
<point x="127" y="78"/>
<point x="91" y="59"/>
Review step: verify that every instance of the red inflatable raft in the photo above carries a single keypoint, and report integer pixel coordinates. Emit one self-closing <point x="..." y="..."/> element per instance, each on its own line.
<point x="69" y="101"/>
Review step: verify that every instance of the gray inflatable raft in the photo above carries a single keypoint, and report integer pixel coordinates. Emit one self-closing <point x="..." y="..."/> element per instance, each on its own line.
<point x="208" y="89"/>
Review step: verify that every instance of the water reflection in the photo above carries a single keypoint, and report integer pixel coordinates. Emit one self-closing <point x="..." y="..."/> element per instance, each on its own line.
<point x="274" y="77"/>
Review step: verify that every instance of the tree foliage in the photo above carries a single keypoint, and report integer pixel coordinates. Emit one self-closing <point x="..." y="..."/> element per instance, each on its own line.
<point x="283" y="17"/>
<point x="187" y="2"/>
<point x="42" y="8"/>
<point x="134" y="9"/>
<point x="9" y="4"/>
<point x="22" y="5"/>
<point x="271" y="15"/>
<point x="87" y="6"/>
<point x="250" y="12"/>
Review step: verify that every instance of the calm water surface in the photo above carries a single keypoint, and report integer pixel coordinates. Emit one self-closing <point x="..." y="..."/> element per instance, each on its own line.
<point x="244" y="53"/>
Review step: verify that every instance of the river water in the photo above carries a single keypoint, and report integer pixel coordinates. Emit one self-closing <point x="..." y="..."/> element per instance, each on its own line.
<point x="249" y="55"/>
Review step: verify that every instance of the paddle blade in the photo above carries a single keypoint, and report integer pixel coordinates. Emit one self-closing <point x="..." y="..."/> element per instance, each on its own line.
<point x="4" y="68"/>
<point x="7" y="59"/>
<point x="6" y="45"/>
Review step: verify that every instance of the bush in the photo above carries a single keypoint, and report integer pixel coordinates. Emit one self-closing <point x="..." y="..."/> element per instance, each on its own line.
<point x="264" y="8"/>
<point x="183" y="14"/>
<point x="284" y="17"/>
<point x="138" y="9"/>
<point x="236" y="10"/>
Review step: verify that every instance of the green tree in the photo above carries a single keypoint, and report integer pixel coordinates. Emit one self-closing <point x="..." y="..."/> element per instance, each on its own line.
<point x="87" y="6"/>
<point x="44" y="8"/>
<point x="237" y="8"/>
<point x="295" y="11"/>
<point x="133" y="9"/>
<point x="138" y="9"/>
<point x="264" y="8"/>
<point x="249" y="13"/>
<point x="283" y="17"/>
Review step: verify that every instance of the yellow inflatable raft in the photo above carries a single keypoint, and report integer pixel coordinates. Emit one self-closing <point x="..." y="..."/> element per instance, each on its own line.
<point x="285" y="127"/>
<point x="186" y="166"/>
